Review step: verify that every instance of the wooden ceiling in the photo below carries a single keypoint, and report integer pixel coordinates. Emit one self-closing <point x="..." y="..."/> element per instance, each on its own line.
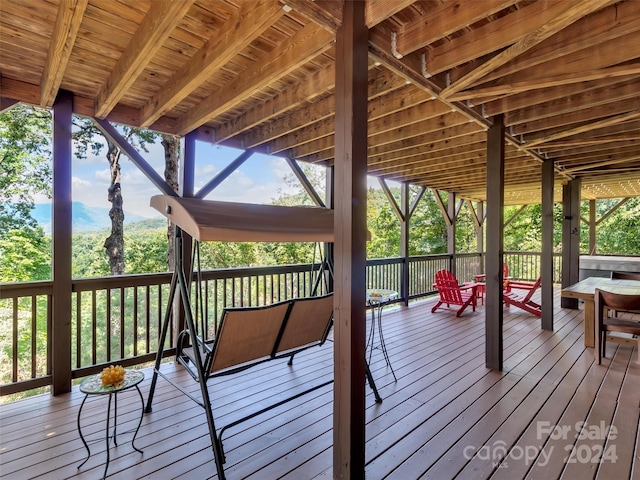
<point x="260" y="74"/>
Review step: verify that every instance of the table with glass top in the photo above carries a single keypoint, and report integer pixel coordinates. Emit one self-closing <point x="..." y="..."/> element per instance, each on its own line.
<point x="376" y="299"/>
<point x="93" y="386"/>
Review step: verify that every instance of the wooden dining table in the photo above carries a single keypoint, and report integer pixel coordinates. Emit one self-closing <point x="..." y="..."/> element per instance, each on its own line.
<point x="585" y="290"/>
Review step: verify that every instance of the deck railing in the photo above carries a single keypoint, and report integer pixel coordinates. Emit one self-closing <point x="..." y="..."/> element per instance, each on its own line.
<point x="117" y="319"/>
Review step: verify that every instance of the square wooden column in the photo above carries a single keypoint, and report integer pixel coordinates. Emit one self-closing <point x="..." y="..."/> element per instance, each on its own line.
<point x="404" y="240"/>
<point x="451" y="231"/>
<point x="546" y="268"/>
<point x="186" y="185"/>
<point x="350" y="243"/>
<point x="61" y="238"/>
<point x="495" y="243"/>
<point x="570" y="239"/>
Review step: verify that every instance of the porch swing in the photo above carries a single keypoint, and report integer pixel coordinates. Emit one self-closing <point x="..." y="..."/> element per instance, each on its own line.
<point x="245" y="336"/>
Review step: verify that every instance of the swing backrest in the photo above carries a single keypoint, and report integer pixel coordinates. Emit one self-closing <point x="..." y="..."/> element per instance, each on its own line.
<point x="247" y="334"/>
<point x="308" y="323"/>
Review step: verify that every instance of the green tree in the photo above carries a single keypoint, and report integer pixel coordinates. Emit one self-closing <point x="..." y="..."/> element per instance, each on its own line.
<point x="25" y="164"/>
<point x="25" y="255"/>
<point x="87" y="137"/>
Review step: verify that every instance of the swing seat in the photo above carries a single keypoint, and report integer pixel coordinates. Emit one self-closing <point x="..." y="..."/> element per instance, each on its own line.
<point x="249" y="336"/>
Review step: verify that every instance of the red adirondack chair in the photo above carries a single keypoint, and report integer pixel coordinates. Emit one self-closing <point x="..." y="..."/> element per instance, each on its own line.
<point x="482" y="286"/>
<point x="451" y="293"/>
<point x="523" y="301"/>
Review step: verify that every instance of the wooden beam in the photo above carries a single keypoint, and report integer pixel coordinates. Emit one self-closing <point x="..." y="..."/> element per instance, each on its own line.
<point x="495" y="244"/>
<point x="306" y="184"/>
<point x="309" y="89"/>
<point x="350" y="244"/>
<point x="379" y="10"/>
<point x="609" y="23"/>
<point x="325" y="13"/>
<point x="558" y="80"/>
<point x="609" y="100"/>
<point x="612" y="210"/>
<point x="443" y="209"/>
<point x="391" y="199"/>
<point x="514" y="216"/>
<point x="248" y="22"/>
<point x="161" y="19"/>
<point x="568" y="132"/>
<point x="304" y="123"/>
<point x="223" y="174"/>
<point x="416" y="199"/>
<point x="61" y="245"/>
<point x="492" y="36"/>
<point x="443" y="20"/>
<point x="574" y="11"/>
<point x="306" y="43"/>
<point x="63" y="39"/>
<point x="389" y="123"/>
<point x="107" y="129"/>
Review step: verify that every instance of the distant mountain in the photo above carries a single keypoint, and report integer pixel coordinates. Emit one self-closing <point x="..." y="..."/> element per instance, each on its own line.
<point x="84" y="218"/>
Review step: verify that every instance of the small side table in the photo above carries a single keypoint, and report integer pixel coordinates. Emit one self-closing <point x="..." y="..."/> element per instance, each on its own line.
<point x="376" y="299"/>
<point x="93" y="386"/>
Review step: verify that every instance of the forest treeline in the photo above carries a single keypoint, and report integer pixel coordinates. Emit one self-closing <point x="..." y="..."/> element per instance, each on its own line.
<point x="25" y="248"/>
<point x="26" y="253"/>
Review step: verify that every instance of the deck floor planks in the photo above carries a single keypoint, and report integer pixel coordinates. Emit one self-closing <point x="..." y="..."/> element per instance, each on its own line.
<point x="439" y="360"/>
<point x="584" y="457"/>
<point x="626" y="420"/>
<point x="510" y="415"/>
<point x="557" y="446"/>
<point x="532" y="332"/>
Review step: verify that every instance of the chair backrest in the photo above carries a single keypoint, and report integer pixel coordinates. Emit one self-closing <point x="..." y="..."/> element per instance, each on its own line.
<point x="505" y="271"/>
<point x="615" y="301"/>
<point x="625" y="275"/>
<point x="448" y="287"/>
<point x="247" y="334"/>
<point x="308" y="323"/>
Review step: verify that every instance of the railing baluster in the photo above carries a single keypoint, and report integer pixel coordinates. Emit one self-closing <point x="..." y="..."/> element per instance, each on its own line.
<point x="14" y="342"/>
<point x="78" y="329"/>
<point x="94" y="328"/>
<point x="122" y="322"/>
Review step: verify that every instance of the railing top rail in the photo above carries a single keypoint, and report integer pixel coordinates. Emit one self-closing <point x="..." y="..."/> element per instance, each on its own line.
<point x="25" y="289"/>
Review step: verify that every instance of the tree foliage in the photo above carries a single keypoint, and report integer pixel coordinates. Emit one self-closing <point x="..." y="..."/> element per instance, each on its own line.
<point x="25" y="164"/>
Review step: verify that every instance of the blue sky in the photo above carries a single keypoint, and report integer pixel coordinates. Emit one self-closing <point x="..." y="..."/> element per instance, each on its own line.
<point x="258" y="180"/>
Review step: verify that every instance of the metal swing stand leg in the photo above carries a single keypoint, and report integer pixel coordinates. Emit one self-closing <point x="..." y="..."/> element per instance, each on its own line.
<point x="179" y="283"/>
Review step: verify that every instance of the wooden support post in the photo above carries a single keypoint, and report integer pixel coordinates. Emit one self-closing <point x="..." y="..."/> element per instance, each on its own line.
<point x="592" y="227"/>
<point x="495" y="243"/>
<point x="61" y="237"/>
<point x="187" y="190"/>
<point x="546" y="267"/>
<point x="404" y="241"/>
<point x="451" y="231"/>
<point x="350" y="243"/>
<point x="330" y="201"/>
<point x="570" y="239"/>
<point x="480" y="234"/>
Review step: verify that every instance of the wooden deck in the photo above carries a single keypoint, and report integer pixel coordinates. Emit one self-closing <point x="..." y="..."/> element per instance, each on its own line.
<point x="447" y="415"/>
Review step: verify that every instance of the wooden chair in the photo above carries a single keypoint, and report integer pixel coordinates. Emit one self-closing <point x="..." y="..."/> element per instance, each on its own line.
<point x="523" y="301"/>
<point x="623" y="276"/>
<point x="451" y="293"/>
<point x="481" y="279"/>
<point x="613" y="301"/>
